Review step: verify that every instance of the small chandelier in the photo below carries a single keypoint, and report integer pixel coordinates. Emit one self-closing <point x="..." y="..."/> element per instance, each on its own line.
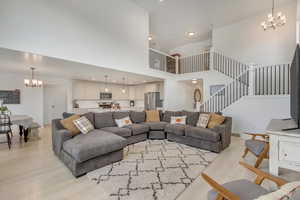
<point x="33" y="83"/>
<point x="273" y="20"/>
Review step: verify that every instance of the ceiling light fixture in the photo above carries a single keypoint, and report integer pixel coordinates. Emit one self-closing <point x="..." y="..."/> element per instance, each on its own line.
<point x="194" y="81"/>
<point x="273" y="20"/>
<point x="191" y="34"/>
<point x="106" y="88"/>
<point x="33" y="83"/>
<point x="150" y="37"/>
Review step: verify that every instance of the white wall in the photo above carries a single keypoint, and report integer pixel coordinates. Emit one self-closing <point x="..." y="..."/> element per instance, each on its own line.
<point x="192" y="48"/>
<point x="112" y="34"/>
<point x="31" y="98"/>
<point x="253" y="113"/>
<point x="248" y="42"/>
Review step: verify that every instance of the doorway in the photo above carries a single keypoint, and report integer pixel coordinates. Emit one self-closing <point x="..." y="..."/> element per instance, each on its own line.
<point x="55" y="102"/>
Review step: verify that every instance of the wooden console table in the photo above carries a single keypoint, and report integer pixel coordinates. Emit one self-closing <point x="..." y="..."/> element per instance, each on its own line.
<point x="284" y="146"/>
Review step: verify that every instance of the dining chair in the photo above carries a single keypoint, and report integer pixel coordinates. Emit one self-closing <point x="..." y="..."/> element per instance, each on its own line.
<point x="5" y="127"/>
<point x="259" y="147"/>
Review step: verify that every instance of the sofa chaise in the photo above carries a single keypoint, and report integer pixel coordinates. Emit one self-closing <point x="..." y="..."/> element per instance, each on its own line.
<point x="104" y="145"/>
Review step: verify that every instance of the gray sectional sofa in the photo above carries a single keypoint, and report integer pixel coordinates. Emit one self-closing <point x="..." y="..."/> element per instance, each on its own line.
<point x="104" y="145"/>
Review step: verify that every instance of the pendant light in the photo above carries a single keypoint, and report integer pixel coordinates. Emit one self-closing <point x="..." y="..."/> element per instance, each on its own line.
<point x="106" y="87"/>
<point x="33" y="83"/>
<point x="123" y="88"/>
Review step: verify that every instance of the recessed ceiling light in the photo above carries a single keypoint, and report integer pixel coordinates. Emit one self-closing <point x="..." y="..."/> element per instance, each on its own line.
<point x="194" y="81"/>
<point x="191" y="34"/>
<point x="161" y="0"/>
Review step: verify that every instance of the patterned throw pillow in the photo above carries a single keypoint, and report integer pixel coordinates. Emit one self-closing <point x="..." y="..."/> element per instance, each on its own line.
<point x="69" y="125"/>
<point x="289" y="191"/>
<point x="84" y="125"/>
<point x="203" y="120"/>
<point x="178" y="120"/>
<point x="123" y="122"/>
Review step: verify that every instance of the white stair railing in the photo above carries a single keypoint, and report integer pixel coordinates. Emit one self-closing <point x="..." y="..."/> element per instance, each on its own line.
<point x="228" y="66"/>
<point x="229" y="94"/>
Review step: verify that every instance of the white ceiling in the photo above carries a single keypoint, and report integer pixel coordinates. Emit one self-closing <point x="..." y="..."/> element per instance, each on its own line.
<point x="19" y="62"/>
<point x="171" y="19"/>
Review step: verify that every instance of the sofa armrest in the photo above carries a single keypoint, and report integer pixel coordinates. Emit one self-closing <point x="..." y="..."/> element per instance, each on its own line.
<point x="225" y="132"/>
<point x="59" y="136"/>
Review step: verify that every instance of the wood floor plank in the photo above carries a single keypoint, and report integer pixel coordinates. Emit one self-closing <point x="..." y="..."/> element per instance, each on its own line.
<point x="31" y="171"/>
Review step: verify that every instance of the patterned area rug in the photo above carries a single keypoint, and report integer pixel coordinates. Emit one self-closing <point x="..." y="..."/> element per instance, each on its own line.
<point x="152" y="170"/>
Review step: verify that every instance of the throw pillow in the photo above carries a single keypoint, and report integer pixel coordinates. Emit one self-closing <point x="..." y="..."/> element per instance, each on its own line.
<point x="215" y="120"/>
<point x="203" y="120"/>
<point x="152" y="116"/>
<point x="178" y="120"/>
<point x="69" y="125"/>
<point x="84" y="125"/>
<point x="289" y="191"/>
<point x="123" y="122"/>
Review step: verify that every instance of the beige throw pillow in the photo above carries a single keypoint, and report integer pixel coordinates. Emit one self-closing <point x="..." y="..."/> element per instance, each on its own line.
<point x="69" y="125"/>
<point x="203" y="120"/>
<point x="178" y="120"/>
<point x="215" y="120"/>
<point x="152" y="116"/>
<point x="123" y="122"/>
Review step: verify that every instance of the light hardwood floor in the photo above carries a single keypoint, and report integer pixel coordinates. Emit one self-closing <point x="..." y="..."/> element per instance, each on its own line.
<point x="31" y="172"/>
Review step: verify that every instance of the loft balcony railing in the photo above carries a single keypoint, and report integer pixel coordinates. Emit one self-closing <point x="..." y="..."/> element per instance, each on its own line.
<point x="162" y="61"/>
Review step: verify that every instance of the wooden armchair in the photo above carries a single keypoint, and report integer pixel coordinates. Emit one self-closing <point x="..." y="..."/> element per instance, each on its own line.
<point x="258" y="147"/>
<point x="241" y="189"/>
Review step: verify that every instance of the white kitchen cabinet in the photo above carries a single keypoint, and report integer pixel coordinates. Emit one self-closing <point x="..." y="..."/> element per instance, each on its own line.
<point x="131" y="92"/>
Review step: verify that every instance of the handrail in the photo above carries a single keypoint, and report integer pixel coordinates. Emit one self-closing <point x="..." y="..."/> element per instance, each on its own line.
<point x="162" y="53"/>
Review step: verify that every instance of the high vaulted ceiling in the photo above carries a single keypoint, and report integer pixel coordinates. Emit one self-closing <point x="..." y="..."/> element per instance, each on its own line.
<point x="171" y="19"/>
<point x="19" y="63"/>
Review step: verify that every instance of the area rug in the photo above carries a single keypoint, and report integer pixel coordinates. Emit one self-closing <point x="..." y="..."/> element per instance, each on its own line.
<point x="152" y="170"/>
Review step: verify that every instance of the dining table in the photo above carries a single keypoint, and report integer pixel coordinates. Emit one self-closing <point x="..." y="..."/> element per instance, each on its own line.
<point x="24" y="122"/>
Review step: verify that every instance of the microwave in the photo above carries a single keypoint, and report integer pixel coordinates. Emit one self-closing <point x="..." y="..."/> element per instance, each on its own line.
<point x="105" y="96"/>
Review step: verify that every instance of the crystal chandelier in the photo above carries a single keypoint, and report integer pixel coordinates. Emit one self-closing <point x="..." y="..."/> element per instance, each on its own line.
<point x="33" y="83"/>
<point x="273" y="20"/>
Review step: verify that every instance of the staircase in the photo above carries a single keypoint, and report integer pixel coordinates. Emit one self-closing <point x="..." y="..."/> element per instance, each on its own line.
<point x="246" y="79"/>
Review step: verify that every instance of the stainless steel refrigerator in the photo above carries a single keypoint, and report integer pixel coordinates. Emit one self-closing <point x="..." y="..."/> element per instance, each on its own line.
<point x="152" y="100"/>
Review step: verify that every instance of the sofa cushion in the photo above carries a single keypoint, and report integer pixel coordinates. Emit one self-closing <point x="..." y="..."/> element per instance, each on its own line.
<point x="156" y="126"/>
<point x="121" y="114"/>
<point x="138" y="129"/>
<point x="138" y="117"/>
<point x="168" y="114"/>
<point x="177" y="129"/>
<point x="90" y="116"/>
<point x="104" y="120"/>
<point x="202" y="133"/>
<point x="87" y="146"/>
<point x="123" y="132"/>
<point x="245" y="189"/>
<point x="192" y="117"/>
